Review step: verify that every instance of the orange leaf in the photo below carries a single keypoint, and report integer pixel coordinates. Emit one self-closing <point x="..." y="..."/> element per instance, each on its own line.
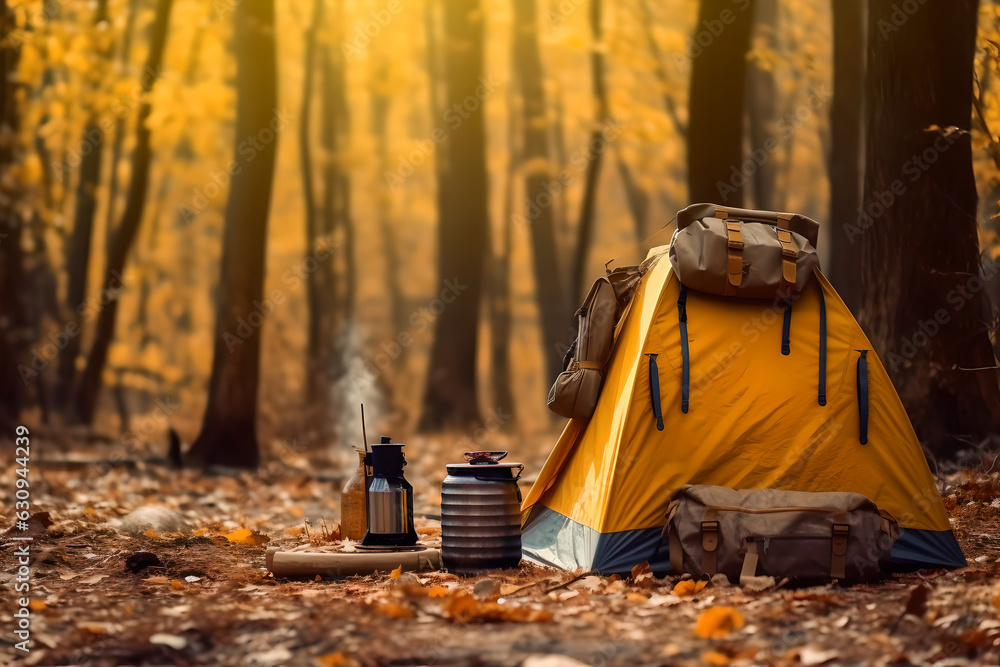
<point x="397" y="573"/>
<point x="157" y="580"/>
<point x="247" y="536"/>
<point x="714" y="658"/>
<point x="394" y="610"/>
<point x="334" y="659"/>
<point x="437" y="592"/>
<point x="37" y="605"/>
<point x="177" y="584"/>
<point x="461" y="606"/>
<point x="688" y="587"/>
<point x="151" y="533"/>
<point x="717" y="622"/>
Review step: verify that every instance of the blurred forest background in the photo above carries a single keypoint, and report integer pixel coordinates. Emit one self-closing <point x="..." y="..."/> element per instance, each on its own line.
<point x="243" y="218"/>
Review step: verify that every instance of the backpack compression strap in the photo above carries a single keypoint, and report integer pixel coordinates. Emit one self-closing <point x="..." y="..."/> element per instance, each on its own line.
<point x="822" y="347"/>
<point x="654" y="391"/>
<point x="685" y="360"/>
<point x="786" y="329"/>
<point x="863" y="396"/>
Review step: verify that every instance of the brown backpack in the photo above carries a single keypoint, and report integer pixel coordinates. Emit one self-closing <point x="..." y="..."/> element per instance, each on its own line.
<point x="738" y="252"/>
<point x="575" y="391"/>
<point x="811" y="536"/>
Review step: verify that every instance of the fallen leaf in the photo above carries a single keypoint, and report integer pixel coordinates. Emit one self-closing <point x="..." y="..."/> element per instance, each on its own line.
<point x="657" y="600"/>
<point x="93" y="579"/>
<point x="486" y="590"/>
<point x="552" y="661"/>
<point x="688" y="587"/>
<point x="177" y="584"/>
<point x="157" y="580"/>
<point x="816" y="655"/>
<point x="638" y="598"/>
<point x="394" y="610"/>
<point x="917" y="602"/>
<point x="642" y="576"/>
<point x="757" y="584"/>
<point x="461" y="606"/>
<point x="247" y="536"/>
<point x="336" y="659"/>
<point x="96" y="628"/>
<point x="714" y="658"/>
<point x="437" y="591"/>
<point x="38" y="524"/>
<point x="199" y="532"/>
<point x="717" y="622"/>
<point x="151" y="533"/>
<point x="173" y="641"/>
<point x="397" y="573"/>
<point x="37" y="605"/>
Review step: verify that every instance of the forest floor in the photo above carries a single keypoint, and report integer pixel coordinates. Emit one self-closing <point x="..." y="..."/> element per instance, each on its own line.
<point x="207" y="597"/>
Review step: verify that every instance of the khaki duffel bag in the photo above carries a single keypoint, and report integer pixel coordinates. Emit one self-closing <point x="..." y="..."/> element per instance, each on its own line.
<point x="738" y="252"/>
<point x="812" y="536"/>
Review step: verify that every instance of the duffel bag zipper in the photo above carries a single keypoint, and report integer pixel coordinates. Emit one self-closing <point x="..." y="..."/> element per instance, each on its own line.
<point x="773" y="510"/>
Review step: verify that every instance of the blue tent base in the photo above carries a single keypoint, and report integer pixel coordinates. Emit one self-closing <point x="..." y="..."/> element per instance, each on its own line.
<point x="549" y="538"/>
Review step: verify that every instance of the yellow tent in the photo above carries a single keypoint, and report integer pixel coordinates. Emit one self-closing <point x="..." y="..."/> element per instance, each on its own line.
<point x="756" y="400"/>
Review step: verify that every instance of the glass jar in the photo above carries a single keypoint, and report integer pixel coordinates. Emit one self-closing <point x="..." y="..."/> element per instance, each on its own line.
<point x="353" y="509"/>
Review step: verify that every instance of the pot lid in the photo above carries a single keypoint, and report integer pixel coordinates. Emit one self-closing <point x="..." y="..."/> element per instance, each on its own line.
<point x="478" y="467"/>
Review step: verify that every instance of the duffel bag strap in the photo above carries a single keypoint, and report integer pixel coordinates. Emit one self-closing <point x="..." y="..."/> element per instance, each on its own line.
<point x="838" y="560"/>
<point x="734" y="264"/>
<point x="750" y="562"/>
<point x="590" y="365"/>
<point x="710" y="541"/>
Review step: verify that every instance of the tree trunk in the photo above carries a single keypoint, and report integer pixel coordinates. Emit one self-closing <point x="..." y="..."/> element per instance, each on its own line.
<point x="12" y="331"/>
<point x="918" y="237"/>
<point x="451" y="399"/>
<point x="119" y="142"/>
<point x="718" y="85"/>
<point x="336" y="306"/>
<point x="555" y="312"/>
<point x="636" y="198"/>
<point x="318" y="342"/>
<point x="564" y="230"/>
<point x="380" y="104"/>
<point x="648" y="23"/>
<point x="80" y="240"/>
<point x="338" y="178"/>
<point x="762" y="93"/>
<point x="588" y="208"/>
<point x="89" y="387"/>
<point x="499" y="282"/>
<point x="229" y="430"/>
<point x="847" y="146"/>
